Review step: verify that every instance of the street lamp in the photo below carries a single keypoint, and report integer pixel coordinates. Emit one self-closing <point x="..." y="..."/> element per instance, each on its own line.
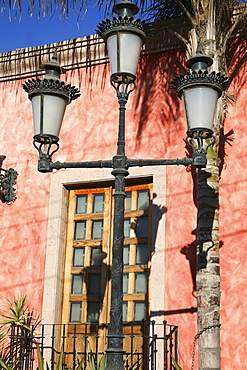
<point x="124" y="37"/>
<point x="49" y="96"/>
<point x="200" y="91"/>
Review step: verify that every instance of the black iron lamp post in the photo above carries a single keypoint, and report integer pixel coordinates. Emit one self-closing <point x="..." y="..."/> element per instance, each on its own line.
<point x="124" y="37"/>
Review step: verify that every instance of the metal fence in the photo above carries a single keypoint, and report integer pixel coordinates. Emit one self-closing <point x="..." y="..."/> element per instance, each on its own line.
<point x="148" y="346"/>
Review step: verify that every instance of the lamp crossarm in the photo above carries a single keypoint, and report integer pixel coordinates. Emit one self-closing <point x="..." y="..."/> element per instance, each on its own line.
<point x="48" y="166"/>
<point x="159" y="162"/>
<point x="86" y="164"/>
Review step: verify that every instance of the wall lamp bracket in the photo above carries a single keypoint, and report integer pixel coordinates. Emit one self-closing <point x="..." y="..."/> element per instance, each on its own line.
<point x="7" y="182"/>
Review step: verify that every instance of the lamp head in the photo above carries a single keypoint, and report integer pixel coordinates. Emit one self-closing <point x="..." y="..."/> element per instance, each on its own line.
<point x="49" y="96"/>
<point x="199" y="91"/>
<point x="124" y="37"/>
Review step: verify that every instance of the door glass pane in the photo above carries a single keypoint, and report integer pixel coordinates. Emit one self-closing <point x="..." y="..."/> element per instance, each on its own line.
<point x="97" y="229"/>
<point x="127" y="227"/>
<point x="98" y="203"/>
<point x="140" y="282"/>
<point x="80" y="229"/>
<point x="140" y="308"/>
<point x="93" y="311"/>
<point x="96" y="256"/>
<point x="142" y="200"/>
<point x="125" y="311"/>
<point x="127" y="202"/>
<point x="78" y="257"/>
<point x="75" y="312"/>
<point x="126" y="249"/>
<point x="142" y="227"/>
<point x="141" y="254"/>
<point x="125" y="283"/>
<point x="76" y="287"/>
<point x="94" y="284"/>
<point x="81" y="204"/>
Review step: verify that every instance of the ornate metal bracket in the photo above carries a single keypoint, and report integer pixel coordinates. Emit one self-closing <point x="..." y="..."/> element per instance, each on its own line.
<point x="123" y="84"/>
<point x="199" y="153"/>
<point x="7" y="182"/>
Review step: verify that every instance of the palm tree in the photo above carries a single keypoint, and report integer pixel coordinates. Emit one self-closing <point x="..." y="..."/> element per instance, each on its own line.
<point x="212" y="24"/>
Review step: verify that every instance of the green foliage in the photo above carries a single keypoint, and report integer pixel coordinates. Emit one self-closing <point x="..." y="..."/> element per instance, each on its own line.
<point x="40" y="359"/>
<point x="60" y="362"/>
<point x="167" y="9"/>
<point x="17" y="313"/>
<point x="17" y="333"/>
<point x="175" y="364"/>
<point x="98" y="363"/>
<point x="4" y="366"/>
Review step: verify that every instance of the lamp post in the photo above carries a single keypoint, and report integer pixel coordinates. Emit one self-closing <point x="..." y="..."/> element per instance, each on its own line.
<point x="124" y="37"/>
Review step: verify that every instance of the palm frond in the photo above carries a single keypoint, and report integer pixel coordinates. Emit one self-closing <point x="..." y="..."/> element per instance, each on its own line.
<point x="168" y="9"/>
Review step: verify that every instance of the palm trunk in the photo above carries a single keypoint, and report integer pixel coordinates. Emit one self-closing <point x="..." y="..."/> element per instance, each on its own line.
<point x="208" y="268"/>
<point x="208" y="272"/>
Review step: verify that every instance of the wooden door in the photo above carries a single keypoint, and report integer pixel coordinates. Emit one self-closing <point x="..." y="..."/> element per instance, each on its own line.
<point x="86" y="296"/>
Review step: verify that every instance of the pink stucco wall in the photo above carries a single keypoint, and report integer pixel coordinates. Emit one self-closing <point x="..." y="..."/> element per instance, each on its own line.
<point x="233" y="221"/>
<point x="155" y="128"/>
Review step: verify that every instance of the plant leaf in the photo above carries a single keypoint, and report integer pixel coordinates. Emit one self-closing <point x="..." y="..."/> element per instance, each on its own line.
<point x="5" y="366"/>
<point x="60" y="361"/>
<point x="40" y="359"/>
<point x="175" y="364"/>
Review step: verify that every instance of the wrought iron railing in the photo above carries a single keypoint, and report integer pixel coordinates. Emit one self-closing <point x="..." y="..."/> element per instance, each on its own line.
<point x="148" y="346"/>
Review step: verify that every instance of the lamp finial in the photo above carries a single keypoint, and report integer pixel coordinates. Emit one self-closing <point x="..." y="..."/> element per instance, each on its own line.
<point x="55" y="57"/>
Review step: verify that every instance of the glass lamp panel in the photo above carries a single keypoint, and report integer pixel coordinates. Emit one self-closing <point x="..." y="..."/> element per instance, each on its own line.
<point x="199" y="106"/>
<point x="75" y="311"/>
<point x="54" y="109"/>
<point x="129" y="52"/>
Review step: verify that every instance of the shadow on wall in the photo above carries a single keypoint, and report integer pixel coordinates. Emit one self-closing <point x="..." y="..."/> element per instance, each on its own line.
<point x="174" y="312"/>
<point x="236" y="64"/>
<point x="154" y="100"/>
<point x="189" y="251"/>
<point x="157" y="213"/>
